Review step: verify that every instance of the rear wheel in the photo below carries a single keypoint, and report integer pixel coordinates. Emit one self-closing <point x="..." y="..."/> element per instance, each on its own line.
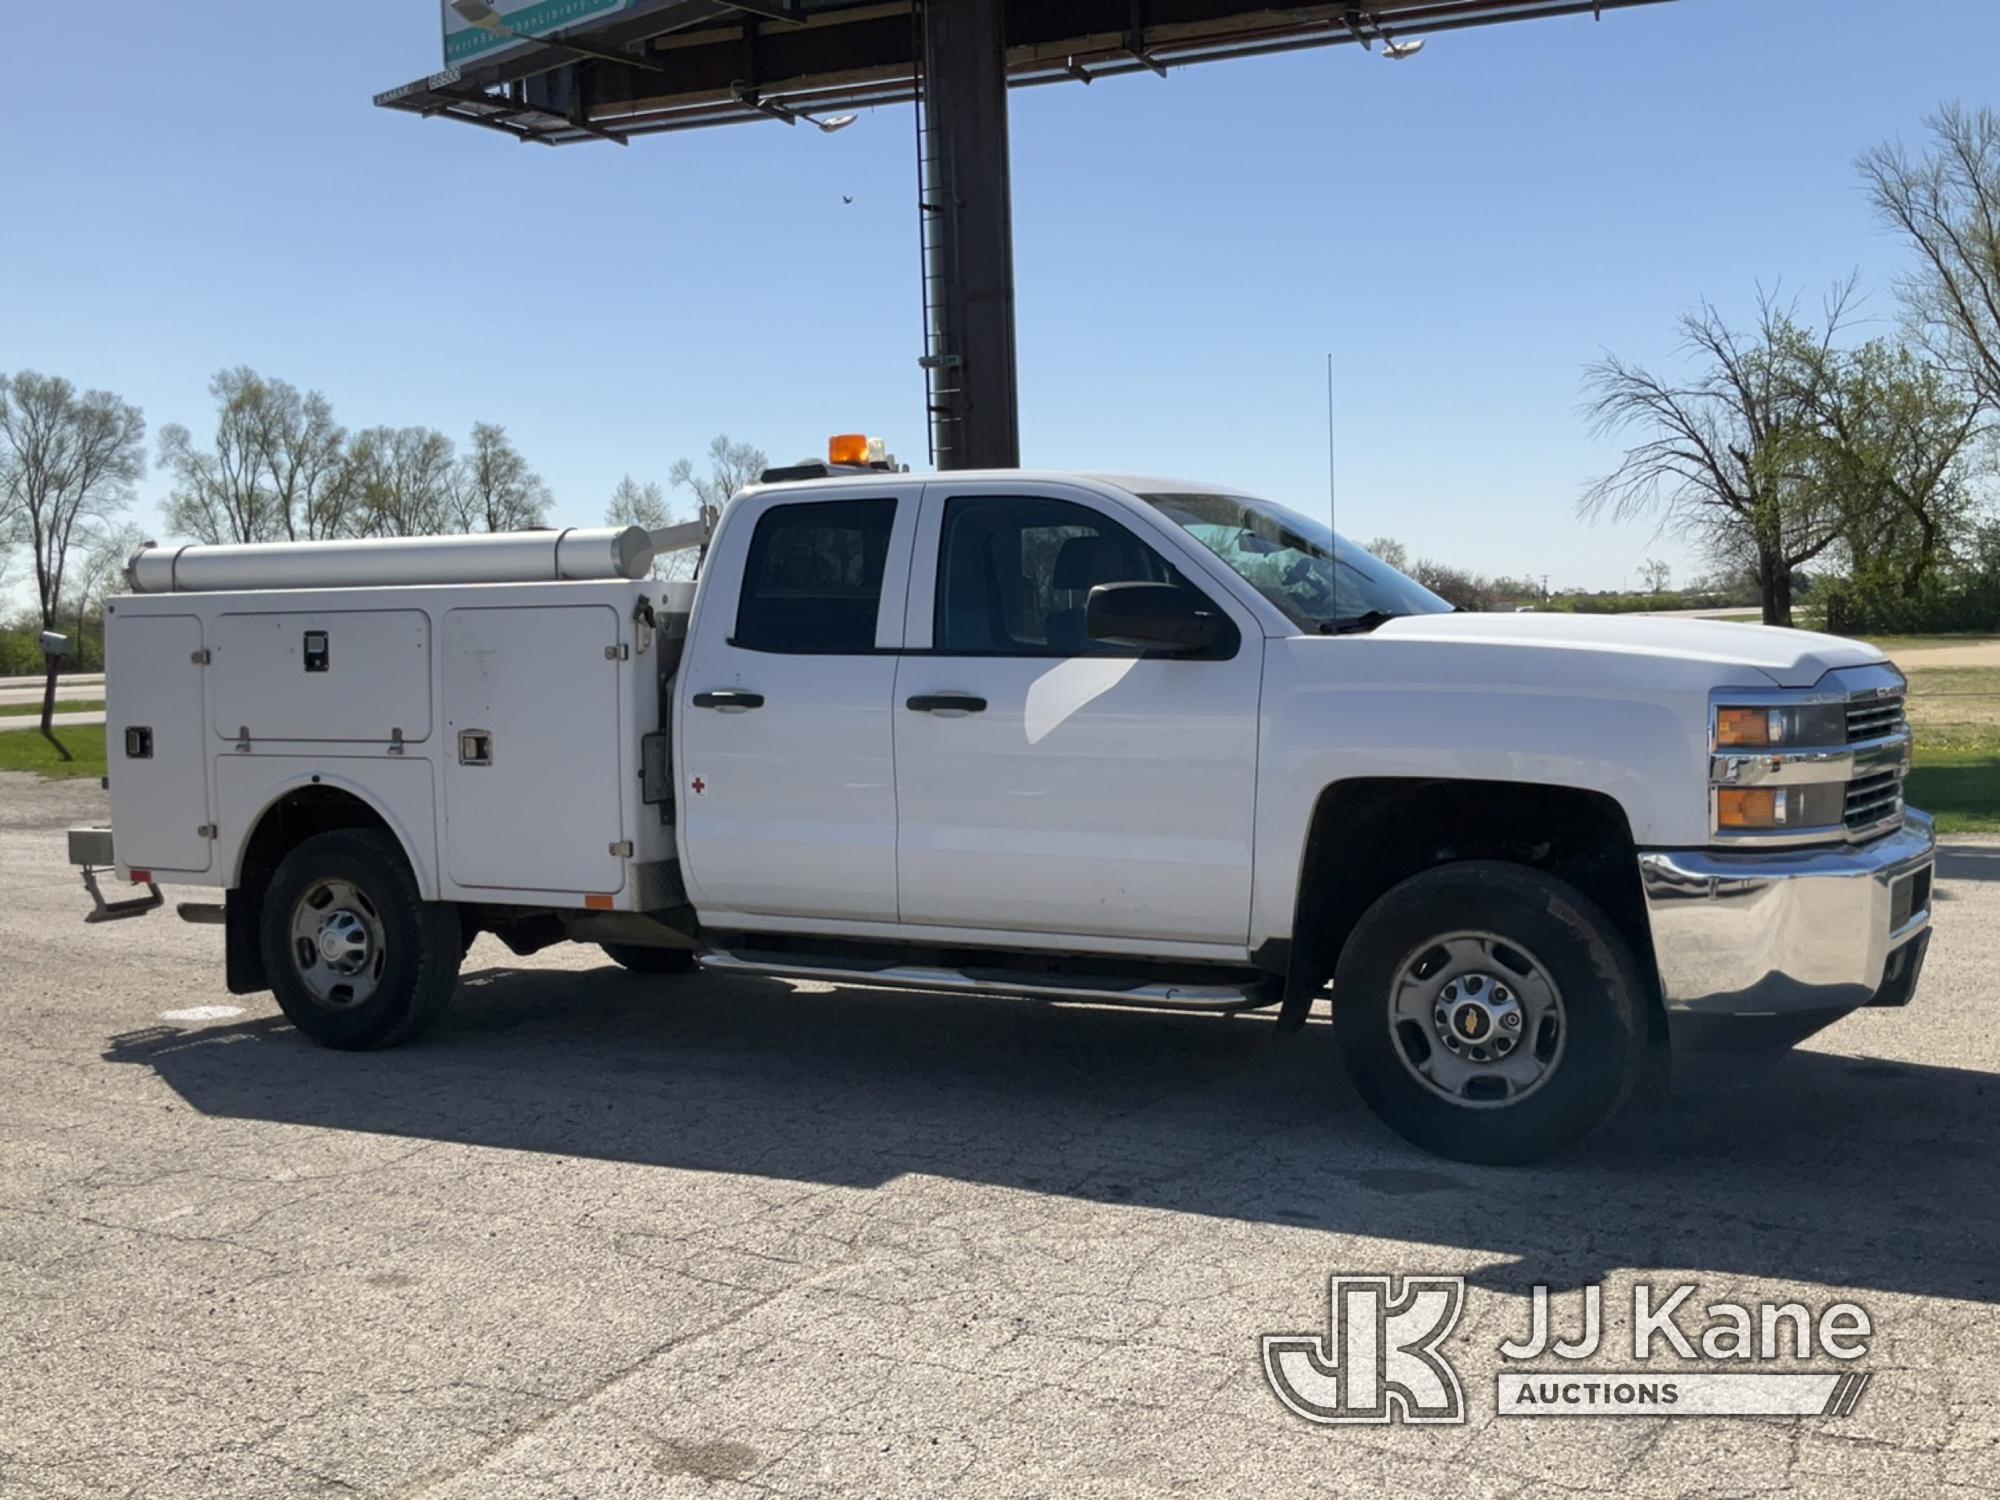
<point x="1489" y="1012"/>
<point x="644" y="960"/>
<point x="356" y="957"/>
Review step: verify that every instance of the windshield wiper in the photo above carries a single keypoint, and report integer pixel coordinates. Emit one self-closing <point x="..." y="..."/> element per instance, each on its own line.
<point x="1357" y="624"/>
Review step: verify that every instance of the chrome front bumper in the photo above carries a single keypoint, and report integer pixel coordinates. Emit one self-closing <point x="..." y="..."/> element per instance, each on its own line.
<point x="1798" y="933"/>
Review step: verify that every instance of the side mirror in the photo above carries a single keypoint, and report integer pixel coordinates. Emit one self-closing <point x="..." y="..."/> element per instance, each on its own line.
<point x="1152" y="617"/>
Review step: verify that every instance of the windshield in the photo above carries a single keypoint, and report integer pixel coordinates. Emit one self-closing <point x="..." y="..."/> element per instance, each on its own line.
<point x="1321" y="581"/>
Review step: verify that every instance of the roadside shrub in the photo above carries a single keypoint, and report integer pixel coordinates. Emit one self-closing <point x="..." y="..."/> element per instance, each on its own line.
<point x="1962" y="598"/>
<point x="1625" y="604"/>
<point x="21" y="651"/>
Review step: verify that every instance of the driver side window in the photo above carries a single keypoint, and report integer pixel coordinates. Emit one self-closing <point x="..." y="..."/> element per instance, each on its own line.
<point x="1014" y="575"/>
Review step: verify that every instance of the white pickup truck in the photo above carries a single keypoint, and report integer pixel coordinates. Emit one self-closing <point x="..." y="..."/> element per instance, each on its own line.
<point x="1077" y="737"/>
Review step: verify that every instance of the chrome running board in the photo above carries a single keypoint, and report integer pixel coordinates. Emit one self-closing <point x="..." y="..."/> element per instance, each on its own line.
<point x="1100" y="989"/>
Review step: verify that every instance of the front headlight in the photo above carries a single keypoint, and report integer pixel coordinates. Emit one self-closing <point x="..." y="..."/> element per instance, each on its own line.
<point x="1824" y="767"/>
<point x="1759" y="728"/>
<point x="1748" y="809"/>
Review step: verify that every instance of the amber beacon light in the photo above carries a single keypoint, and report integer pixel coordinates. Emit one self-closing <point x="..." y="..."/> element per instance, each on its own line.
<point x="847" y="448"/>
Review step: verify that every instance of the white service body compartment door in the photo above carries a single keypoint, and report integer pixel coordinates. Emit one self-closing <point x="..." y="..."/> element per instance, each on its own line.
<point x="324" y="675"/>
<point x="156" y="746"/>
<point x="530" y="692"/>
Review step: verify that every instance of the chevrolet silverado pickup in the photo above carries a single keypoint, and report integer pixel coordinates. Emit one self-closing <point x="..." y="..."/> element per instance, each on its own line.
<point x="1082" y="738"/>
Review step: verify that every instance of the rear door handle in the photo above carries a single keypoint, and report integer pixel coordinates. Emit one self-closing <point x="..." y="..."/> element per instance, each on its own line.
<point x="949" y="704"/>
<point x="729" y="700"/>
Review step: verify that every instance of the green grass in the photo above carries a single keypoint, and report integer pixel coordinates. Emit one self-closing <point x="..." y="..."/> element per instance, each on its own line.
<point x="1955" y="708"/>
<point x="1956" y="714"/>
<point x="63" y="706"/>
<point x="27" y="750"/>
<point x="1960" y="788"/>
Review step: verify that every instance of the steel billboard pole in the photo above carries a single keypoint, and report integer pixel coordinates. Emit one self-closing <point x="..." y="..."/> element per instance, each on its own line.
<point x="968" y="236"/>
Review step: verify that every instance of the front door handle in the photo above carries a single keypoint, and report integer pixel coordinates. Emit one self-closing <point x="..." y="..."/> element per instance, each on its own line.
<point x="729" y="700"/>
<point x="951" y="705"/>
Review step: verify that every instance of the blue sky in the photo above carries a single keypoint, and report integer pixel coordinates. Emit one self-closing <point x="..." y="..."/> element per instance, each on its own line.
<point x="191" y="187"/>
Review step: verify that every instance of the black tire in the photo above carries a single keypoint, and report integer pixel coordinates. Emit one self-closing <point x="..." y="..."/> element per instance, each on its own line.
<point x="400" y="961"/>
<point x="1589" y="1059"/>
<point x="641" y="959"/>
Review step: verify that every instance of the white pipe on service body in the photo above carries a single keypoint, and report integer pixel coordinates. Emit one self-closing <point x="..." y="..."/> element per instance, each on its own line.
<point x="498" y="557"/>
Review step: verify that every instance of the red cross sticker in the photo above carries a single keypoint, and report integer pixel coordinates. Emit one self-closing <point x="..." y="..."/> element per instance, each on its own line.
<point x="699" y="786"/>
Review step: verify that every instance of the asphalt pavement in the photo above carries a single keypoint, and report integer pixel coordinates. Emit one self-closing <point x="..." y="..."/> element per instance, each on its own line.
<point x="604" y="1236"/>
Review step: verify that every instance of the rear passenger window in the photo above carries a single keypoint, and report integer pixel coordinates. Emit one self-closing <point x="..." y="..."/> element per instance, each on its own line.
<point x="812" y="583"/>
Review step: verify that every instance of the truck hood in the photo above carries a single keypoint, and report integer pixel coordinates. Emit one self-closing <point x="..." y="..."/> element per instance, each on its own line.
<point x="1790" y="658"/>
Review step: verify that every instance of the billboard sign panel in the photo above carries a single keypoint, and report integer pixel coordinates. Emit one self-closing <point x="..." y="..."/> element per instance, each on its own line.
<point x="503" y="23"/>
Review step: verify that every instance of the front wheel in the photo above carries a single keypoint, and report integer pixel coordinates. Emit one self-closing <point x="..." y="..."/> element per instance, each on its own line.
<point x="356" y="957"/>
<point x="1489" y="1012"/>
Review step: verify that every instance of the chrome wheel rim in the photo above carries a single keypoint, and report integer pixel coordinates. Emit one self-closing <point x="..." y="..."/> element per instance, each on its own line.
<point x="338" y="946"/>
<point x="1475" y="1018"/>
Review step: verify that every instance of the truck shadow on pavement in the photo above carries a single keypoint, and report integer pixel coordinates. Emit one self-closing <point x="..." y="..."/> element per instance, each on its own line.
<point x="1830" y="1169"/>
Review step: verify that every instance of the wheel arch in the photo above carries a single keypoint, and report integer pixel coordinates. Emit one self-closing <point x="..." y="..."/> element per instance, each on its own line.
<point x="1369" y="833"/>
<point x="315" y="802"/>
<point x="294" y="811"/>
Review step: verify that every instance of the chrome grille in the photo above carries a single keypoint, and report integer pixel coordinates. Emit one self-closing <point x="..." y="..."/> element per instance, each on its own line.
<point x="1874" y="798"/>
<point x="1872" y="717"/>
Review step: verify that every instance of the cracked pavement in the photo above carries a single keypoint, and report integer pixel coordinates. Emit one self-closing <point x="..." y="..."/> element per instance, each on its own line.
<point x="604" y="1236"/>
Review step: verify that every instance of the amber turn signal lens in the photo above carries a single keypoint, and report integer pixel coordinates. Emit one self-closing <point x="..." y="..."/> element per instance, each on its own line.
<point x="847" y="448"/>
<point x="1750" y="807"/>
<point x="1743" y="726"/>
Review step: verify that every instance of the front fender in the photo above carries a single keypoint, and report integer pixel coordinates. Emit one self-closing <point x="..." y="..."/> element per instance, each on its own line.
<point x="1643" y="750"/>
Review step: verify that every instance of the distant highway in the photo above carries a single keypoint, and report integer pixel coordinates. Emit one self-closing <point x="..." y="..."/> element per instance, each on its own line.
<point x="82" y="688"/>
<point x="15" y="690"/>
<point x="1699" y="614"/>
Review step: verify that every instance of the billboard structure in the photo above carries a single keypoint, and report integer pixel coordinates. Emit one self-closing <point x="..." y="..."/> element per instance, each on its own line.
<point x="556" y="72"/>
<point x="521" y="25"/>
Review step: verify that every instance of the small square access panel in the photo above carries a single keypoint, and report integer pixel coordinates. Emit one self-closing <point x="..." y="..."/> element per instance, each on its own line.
<point x="317" y="654"/>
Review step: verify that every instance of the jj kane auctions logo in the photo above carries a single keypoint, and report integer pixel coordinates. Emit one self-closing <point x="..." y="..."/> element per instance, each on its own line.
<point x="1381" y="1358"/>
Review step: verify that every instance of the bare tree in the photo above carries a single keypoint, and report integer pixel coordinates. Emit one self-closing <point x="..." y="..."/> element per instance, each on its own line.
<point x="67" y="464"/>
<point x="634" y="504"/>
<point x="1458" y="587"/>
<point x="1657" y="575"/>
<point x="278" y="469"/>
<point x="1947" y="201"/>
<point x="731" y="467"/>
<point x="99" y="571"/>
<point x="303" y="454"/>
<point x="1391" y="551"/>
<point x="219" y="495"/>
<point x="1733" y="454"/>
<point x="405" y="482"/>
<point x="646" y="505"/>
<point x="497" y="491"/>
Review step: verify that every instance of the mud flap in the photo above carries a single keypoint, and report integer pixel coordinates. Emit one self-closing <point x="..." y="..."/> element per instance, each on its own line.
<point x="242" y="945"/>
